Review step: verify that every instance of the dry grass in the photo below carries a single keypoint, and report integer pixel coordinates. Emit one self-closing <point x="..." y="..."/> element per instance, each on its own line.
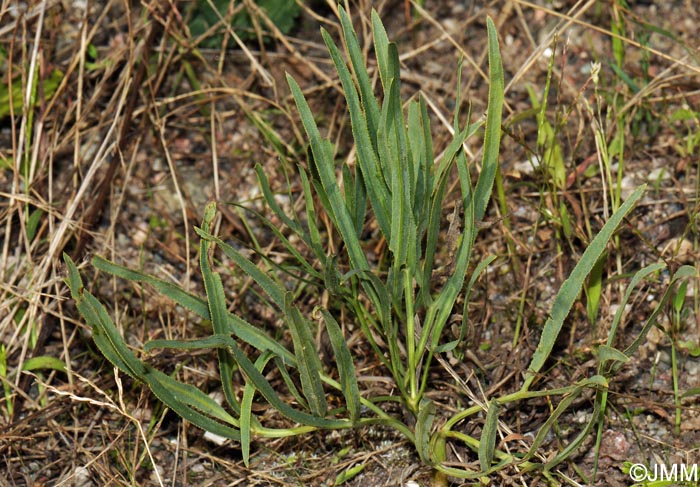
<point x="120" y="159"/>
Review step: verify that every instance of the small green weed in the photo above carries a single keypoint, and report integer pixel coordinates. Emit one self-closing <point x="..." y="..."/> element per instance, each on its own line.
<point x="246" y="20"/>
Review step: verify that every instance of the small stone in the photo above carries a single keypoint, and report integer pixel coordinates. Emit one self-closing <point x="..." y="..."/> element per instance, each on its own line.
<point x="659" y="174"/>
<point x="214" y="438"/>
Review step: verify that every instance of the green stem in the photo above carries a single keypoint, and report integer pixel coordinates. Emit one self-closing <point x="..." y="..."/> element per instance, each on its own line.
<point x="412" y="368"/>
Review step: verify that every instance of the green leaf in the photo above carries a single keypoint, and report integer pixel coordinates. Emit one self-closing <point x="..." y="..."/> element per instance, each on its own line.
<point x="349" y="474"/>
<point x="679" y="297"/>
<point x="181" y="398"/>
<point x="594" y="288"/>
<point x="424" y="423"/>
<point x="247" y="407"/>
<point x="273" y="398"/>
<point x="308" y="361"/>
<point x="369" y="102"/>
<point x="271" y="288"/>
<point x="571" y="287"/>
<point x="606" y="353"/>
<point x="49" y="86"/>
<point x="44" y="362"/>
<point x="366" y="157"/>
<point x="324" y="164"/>
<point x="272" y="202"/>
<point x="33" y="222"/>
<point x="346" y="369"/>
<point x="492" y="140"/>
<point x="235" y="324"/>
<point x="683" y="272"/>
<point x="487" y="443"/>
<point x="217" y="310"/>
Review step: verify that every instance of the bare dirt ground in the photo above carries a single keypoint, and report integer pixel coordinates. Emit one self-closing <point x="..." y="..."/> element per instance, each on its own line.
<point x="121" y="157"/>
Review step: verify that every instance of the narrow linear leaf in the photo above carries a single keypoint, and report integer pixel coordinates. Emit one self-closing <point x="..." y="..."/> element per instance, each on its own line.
<point x="247" y="409"/>
<point x="571" y="287"/>
<point x="181" y="398"/>
<point x="328" y="179"/>
<point x="314" y="234"/>
<point x="272" y="202"/>
<point x="189" y="395"/>
<point x="366" y="156"/>
<point x="492" y="141"/>
<point x="381" y="43"/>
<point x="346" y="369"/>
<point x="177" y="396"/>
<point x="44" y="362"/>
<point x="683" y="272"/>
<point x="308" y="361"/>
<point x="467" y="293"/>
<point x="487" y="442"/>
<point x="606" y="353"/>
<point x="369" y="102"/>
<point x="273" y="398"/>
<point x="107" y="337"/>
<point x="639" y="276"/>
<point x="424" y="423"/>
<point x="180" y="296"/>
<point x="217" y="310"/>
<point x="271" y="288"/>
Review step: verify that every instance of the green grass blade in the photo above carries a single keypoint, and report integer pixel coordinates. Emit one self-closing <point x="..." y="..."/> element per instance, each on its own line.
<point x="487" y="442"/>
<point x="571" y="287"/>
<point x="369" y="102"/>
<point x="346" y="369"/>
<point x="684" y="272"/>
<point x="217" y="310"/>
<point x="308" y="361"/>
<point x="271" y="288"/>
<point x="381" y="49"/>
<point x="326" y="171"/>
<point x="366" y="157"/>
<point x="270" y="199"/>
<point x="247" y="409"/>
<point x="424" y="423"/>
<point x="173" y="291"/>
<point x="492" y="141"/>
<point x="272" y="397"/>
<point x="235" y="324"/>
